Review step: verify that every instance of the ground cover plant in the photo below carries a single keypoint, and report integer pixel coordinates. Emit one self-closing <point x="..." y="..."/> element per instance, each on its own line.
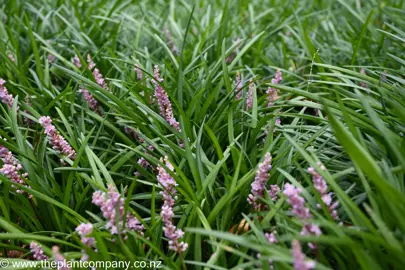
<point x="203" y="134"/>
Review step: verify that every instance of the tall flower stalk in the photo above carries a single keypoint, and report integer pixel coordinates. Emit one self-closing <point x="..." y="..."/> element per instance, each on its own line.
<point x="55" y="139"/>
<point x="321" y="186"/>
<point x="165" y="106"/>
<point x="96" y="73"/>
<point x="259" y="185"/>
<point x="167" y="182"/>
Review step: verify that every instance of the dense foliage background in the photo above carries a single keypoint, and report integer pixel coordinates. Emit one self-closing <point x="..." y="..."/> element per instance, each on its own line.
<point x="341" y="102"/>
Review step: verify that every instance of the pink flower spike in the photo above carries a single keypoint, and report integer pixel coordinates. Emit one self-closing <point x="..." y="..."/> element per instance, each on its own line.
<point x="299" y="258"/>
<point x="272" y="93"/>
<point x="238" y="86"/>
<point x="37" y="252"/>
<point x="90" y="62"/>
<point x="167" y="182"/>
<point x="55" y="139"/>
<point x="93" y="104"/>
<point x="111" y="204"/>
<point x="165" y="106"/>
<point x="259" y="184"/>
<point x="12" y="169"/>
<point x="321" y="186"/>
<point x="76" y="61"/>
<point x="249" y="100"/>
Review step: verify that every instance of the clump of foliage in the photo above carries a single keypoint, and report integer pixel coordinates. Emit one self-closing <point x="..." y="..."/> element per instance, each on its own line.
<point x="203" y="134"/>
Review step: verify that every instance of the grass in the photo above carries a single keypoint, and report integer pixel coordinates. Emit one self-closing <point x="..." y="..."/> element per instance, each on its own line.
<point x="330" y="111"/>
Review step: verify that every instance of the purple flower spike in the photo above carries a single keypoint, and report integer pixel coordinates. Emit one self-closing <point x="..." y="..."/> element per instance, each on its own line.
<point x="321" y="186"/>
<point x="296" y="201"/>
<point x="55" y="139"/>
<point x="299" y="210"/>
<point x="76" y="61"/>
<point x="249" y="100"/>
<point x="93" y="104"/>
<point x="167" y="182"/>
<point x="238" y="86"/>
<point x="259" y="184"/>
<point x="37" y="252"/>
<point x="165" y="106"/>
<point x="6" y="98"/>
<point x="112" y="207"/>
<point x="272" y="94"/>
<point x="299" y="258"/>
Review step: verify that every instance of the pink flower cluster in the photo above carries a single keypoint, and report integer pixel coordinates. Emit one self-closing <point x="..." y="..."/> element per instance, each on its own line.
<point x="12" y="169"/>
<point x="56" y="140"/>
<point x="37" y="252"/>
<point x="299" y="258"/>
<point x="93" y="104"/>
<point x="111" y="204"/>
<point x="138" y="72"/>
<point x="238" y="86"/>
<point x="272" y="94"/>
<point x="165" y="105"/>
<point x="6" y="98"/>
<point x="76" y="61"/>
<point x="249" y="100"/>
<point x="259" y="184"/>
<point x="96" y="73"/>
<point x="167" y="182"/>
<point x="321" y="186"/>
<point x="299" y="210"/>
